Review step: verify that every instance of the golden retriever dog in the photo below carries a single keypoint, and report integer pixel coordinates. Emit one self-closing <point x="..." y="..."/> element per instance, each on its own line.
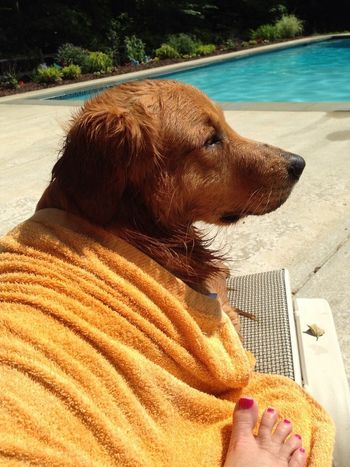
<point x="147" y="159"/>
<point x="111" y="350"/>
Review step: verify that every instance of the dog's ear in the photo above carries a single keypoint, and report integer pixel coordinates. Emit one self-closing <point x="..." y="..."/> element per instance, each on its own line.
<point x="107" y="149"/>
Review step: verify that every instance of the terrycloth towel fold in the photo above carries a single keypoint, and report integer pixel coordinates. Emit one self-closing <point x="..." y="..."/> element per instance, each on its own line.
<point x="108" y="359"/>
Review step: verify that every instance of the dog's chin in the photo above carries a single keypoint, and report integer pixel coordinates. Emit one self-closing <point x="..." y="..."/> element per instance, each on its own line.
<point x="229" y="218"/>
<point x="274" y="204"/>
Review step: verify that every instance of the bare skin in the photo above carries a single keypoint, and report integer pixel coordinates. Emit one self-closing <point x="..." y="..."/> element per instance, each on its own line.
<point x="273" y="446"/>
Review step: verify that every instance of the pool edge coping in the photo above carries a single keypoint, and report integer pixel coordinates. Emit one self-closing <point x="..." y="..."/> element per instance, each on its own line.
<point x="33" y="97"/>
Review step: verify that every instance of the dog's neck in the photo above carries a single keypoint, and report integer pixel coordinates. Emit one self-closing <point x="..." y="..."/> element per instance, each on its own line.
<point x="181" y="250"/>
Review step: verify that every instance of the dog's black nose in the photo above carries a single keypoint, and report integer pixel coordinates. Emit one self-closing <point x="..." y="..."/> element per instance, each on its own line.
<point x="296" y="165"/>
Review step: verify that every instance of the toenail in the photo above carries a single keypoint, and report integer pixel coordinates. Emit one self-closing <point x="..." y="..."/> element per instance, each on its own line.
<point x="302" y="450"/>
<point x="297" y="436"/>
<point x="270" y="410"/>
<point x="245" y="403"/>
<point x="286" y="421"/>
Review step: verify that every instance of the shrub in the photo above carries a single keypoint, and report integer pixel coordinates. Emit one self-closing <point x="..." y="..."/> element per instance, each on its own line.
<point x="205" y="49"/>
<point x="135" y="48"/>
<point x="230" y="44"/>
<point x="265" y="32"/>
<point x="120" y="26"/>
<point x="183" y="44"/>
<point x="166" y="51"/>
<point x="97" y="62"/>
<point x="9" y="80"/>
<point x="48" y="74"/>
<point x="69" y="54"/>
<point x="71" y="72"/>
<point x="289" y="26"/>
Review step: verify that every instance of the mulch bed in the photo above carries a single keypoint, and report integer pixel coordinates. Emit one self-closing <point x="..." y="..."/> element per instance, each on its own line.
<point x="31" y="86"/>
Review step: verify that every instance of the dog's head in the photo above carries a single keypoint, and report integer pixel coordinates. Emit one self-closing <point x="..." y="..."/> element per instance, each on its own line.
<point x="164" y="147"/>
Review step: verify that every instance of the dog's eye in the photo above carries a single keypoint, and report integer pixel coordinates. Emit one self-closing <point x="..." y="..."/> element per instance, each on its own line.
<point x="213" y="139"/>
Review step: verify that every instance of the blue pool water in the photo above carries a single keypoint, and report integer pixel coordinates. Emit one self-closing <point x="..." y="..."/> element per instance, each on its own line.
<point x="319" y="72"/>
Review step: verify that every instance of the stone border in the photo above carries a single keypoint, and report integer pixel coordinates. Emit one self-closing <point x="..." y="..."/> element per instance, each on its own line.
<point x="288" y="106"/>
<point x="34" y="97"/>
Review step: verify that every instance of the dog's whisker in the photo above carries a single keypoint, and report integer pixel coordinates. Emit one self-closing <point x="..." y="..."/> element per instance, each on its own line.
<point x="250" y="202"/>
<point x="260" y="202"/>
<point x="268" y="198"/>
<point x="245" y="208"/>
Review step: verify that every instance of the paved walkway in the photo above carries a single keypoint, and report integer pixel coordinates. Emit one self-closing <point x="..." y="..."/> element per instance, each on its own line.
<point x="309" y="235"/>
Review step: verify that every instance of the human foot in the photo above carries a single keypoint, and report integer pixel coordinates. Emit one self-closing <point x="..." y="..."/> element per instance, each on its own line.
<point x="269" y="448"/>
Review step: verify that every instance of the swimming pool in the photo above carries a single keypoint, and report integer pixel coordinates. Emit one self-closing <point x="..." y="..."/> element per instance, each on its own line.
<point x="316" y="72"/>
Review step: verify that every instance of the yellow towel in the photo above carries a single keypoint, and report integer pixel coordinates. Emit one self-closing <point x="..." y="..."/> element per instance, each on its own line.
<point x="108" y="359"/>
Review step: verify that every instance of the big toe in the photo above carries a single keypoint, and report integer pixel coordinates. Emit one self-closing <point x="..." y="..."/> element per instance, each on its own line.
<point x="245" y="417"/>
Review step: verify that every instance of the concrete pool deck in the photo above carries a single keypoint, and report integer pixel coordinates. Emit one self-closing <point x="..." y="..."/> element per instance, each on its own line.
<point x="309" y="235"/>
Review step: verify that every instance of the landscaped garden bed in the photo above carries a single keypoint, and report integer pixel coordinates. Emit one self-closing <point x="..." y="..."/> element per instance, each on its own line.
<point x="73" y="64"/>
<point x="26" y="86"/>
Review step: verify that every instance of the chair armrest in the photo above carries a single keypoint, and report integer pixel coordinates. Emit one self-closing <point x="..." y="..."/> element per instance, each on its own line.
<point x="323" y="369"/>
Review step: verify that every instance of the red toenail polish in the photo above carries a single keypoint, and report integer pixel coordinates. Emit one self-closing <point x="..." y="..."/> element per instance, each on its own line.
<point x="286" y="421"/>
<point x="297" y="436"/>
<point x="270" y="410"/>
<point x="302" y="450"/>
<point x="245" y="403"/>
